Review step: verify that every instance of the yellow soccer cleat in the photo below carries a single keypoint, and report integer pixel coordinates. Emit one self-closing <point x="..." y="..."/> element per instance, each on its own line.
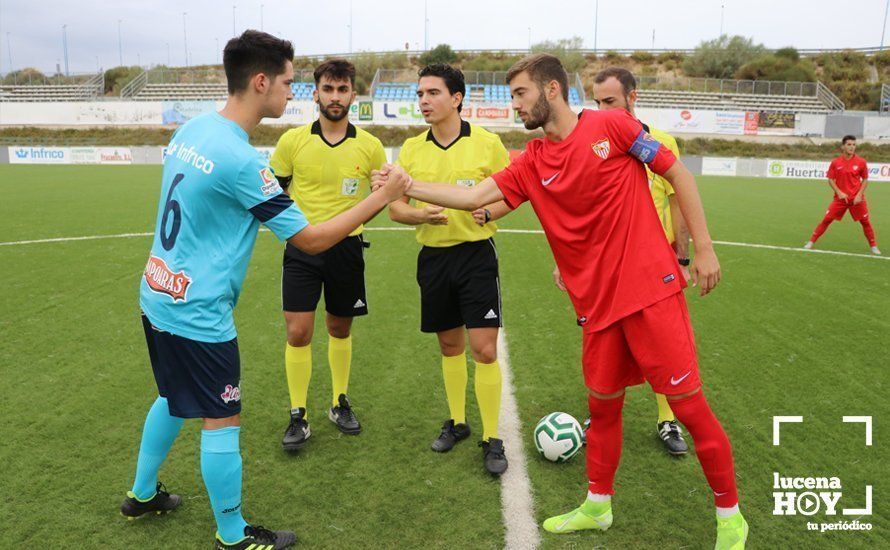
<point x="590" y="515"/>
<point x="732" y="532"/>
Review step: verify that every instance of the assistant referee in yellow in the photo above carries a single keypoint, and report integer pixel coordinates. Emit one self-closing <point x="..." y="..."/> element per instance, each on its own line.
<point x="457" y="268"/>
<point x="326" y="167"/>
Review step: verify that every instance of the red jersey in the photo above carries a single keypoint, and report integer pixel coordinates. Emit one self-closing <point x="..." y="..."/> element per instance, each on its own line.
<point x="848" y="175"/>
<point x="591" y="194"/>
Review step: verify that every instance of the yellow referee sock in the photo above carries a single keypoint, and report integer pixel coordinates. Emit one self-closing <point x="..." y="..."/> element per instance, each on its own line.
<point x="340" y="359"/>
<point x="665" y="414"/>
<point x="298" y="365"/>
<point x="488" y="395"/>
<point x="454" y="371"/>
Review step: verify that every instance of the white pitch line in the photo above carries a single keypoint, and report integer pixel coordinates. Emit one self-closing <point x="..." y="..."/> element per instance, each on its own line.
<point x="507" y="231"/>
<point x="517" y="502"/>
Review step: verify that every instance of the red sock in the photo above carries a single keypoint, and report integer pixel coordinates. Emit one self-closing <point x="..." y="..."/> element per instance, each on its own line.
<point x="711" y="446"/>
<point x="603" y="443"/>
<point x="869" y="232"/>
<point x="820" y="229"/>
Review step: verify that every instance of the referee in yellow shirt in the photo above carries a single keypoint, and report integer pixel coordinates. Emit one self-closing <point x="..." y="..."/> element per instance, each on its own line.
<point x="615" y="88"/>
<point x="457" y="268"/>
<point x="326" y="168"/>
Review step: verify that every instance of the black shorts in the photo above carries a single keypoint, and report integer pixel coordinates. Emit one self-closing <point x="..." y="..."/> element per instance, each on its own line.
<point x="199" y="379"/>
<point x="459" y="286"/>
<point x="340" y="270"/>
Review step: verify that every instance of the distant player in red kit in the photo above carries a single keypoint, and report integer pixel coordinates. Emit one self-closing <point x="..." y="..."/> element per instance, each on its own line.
<point x="848" y="178"/>
<point x="587" y="183"/>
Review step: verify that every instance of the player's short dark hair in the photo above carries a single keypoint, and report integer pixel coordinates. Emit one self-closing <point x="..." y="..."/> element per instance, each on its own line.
<point x="335" y="69"/>
<point x="847" y="138"/>
<point x="252" y="53"/>
<point x="625" y="77"/>
<point x="542" y="68"/>
<point x="453" y="77"/>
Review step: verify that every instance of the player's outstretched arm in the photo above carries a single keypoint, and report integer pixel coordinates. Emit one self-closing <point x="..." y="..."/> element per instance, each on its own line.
<point x="318" y="238"/>
<point x="491" y="213"/>
<point x="402" y="212"/>
<point x="705" y="269"/>
<point x="450" y="196"/>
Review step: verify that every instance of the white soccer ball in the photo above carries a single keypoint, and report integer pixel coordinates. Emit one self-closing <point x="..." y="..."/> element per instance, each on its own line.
<point x="558" y="437"/>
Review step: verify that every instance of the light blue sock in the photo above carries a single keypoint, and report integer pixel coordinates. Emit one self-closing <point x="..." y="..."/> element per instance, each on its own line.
<point x="158" y="435"/>
<point x="221" y="469"/>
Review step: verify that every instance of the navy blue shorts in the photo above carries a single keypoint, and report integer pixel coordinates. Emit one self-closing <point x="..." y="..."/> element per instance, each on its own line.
<point x="199" y="379"/>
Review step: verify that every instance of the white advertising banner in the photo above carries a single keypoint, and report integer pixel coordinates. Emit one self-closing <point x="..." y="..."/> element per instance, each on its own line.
<point x="729" y="122"/>
<point x="70" y="155"/>
<point x="688" y="121"/>
<point x="803" y="169"/>
<point x="81" y="113"/>
<point x="39" y="155"/>
<point x="718" y="166"/>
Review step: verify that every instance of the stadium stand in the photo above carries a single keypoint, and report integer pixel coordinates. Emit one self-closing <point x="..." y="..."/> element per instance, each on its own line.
<point x="737" y="95"/>
<point x="74" y="88"/>
<point x="197" y="85"/>
<point x="482" y="86"/>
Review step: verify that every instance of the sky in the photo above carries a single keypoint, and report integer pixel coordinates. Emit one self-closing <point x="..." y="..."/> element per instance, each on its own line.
<point x="152" y="32"/>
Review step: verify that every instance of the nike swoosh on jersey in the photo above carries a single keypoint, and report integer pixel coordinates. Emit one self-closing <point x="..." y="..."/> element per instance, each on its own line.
<point x="546" y="182"/>
<point x="678" y="380"/>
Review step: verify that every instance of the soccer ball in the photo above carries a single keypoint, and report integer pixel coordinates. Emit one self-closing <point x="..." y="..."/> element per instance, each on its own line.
<point x="558" y="437"/>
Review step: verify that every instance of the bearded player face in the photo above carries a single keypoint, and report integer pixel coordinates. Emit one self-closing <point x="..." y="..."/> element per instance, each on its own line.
<point x="530" y="101"/>
<point x="334" y="98"/>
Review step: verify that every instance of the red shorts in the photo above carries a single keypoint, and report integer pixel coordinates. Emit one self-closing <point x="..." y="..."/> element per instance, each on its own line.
<point x="654" y="344"/>
<point x="838" y="208"/>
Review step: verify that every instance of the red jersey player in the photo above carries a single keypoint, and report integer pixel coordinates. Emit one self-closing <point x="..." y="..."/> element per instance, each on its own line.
<point x="588" y="186"/>
<point x="848" y="178"/>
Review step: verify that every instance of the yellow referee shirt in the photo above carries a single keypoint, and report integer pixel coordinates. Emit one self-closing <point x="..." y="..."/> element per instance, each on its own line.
<point x="327" y="178"/>
<point x="475" y="155"/>
<point x="661" y="188"/>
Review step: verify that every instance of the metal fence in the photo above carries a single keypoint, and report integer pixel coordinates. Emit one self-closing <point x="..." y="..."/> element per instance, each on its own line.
<point x="33" y="78"/>
<point x="885" y="99"/>
<point x="726" y="86"/>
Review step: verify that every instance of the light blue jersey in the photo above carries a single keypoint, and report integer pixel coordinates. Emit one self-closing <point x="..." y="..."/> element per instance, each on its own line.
<point x="216" y="189"/>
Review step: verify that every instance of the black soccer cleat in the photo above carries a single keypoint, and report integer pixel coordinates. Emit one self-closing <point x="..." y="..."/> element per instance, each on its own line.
<point x="162" y="503"/>
<point x="343" y="416"/>
<point x="297" y="431"/>
<point x="449" y="436"/>
<point x="494" y="456"/>
<point x="257" y="537"/>
<point x="672" y="436"/>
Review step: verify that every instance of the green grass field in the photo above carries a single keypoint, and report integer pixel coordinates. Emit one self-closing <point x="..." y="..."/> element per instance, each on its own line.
<point x="785" y="333"/>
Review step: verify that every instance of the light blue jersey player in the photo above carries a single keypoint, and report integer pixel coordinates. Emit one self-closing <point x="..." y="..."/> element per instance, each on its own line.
<point x="215" y="192"/>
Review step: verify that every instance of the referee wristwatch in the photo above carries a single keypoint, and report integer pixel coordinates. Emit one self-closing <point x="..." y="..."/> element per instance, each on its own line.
<point x="683" y="261"/>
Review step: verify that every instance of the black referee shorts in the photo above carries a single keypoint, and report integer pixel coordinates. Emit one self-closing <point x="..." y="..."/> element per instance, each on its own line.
<point x="459" y="286"/>
<point x="340" y="271"/>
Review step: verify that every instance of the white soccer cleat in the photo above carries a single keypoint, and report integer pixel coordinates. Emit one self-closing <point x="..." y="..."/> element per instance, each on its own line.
<point x="808" y="245"/>
<point x="875" y="250"/>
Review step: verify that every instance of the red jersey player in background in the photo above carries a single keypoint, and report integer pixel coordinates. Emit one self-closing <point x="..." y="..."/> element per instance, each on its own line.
<point x="588" y="186"/>
<point x="848" y="178"/>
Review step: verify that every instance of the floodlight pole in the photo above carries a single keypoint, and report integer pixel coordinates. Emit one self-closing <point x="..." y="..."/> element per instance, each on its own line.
<point x="65" y="46"/>
<point x="261" y="15"/>
<point x="168" y="53"/>
<point x="217" y="50"/>
<point x="350" y="26"/>
<point x="596" y="22"/>
<point x="9" y="51"/>
<point x="185" y="41"/>
<point x="120" y="48"/>
<point x="233" y="21"/>
<point x="884" y="28"/>
<point x="529" y="40"/>
<point x="722" y="6"/>
<point x="426" y="26"/>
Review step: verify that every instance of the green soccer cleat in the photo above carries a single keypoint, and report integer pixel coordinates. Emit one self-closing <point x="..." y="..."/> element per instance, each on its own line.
<point x="161" y="503"/>
<point x="732" y="532"/>
<point x="590" y="515"/>
<point x="257" y="537"/>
